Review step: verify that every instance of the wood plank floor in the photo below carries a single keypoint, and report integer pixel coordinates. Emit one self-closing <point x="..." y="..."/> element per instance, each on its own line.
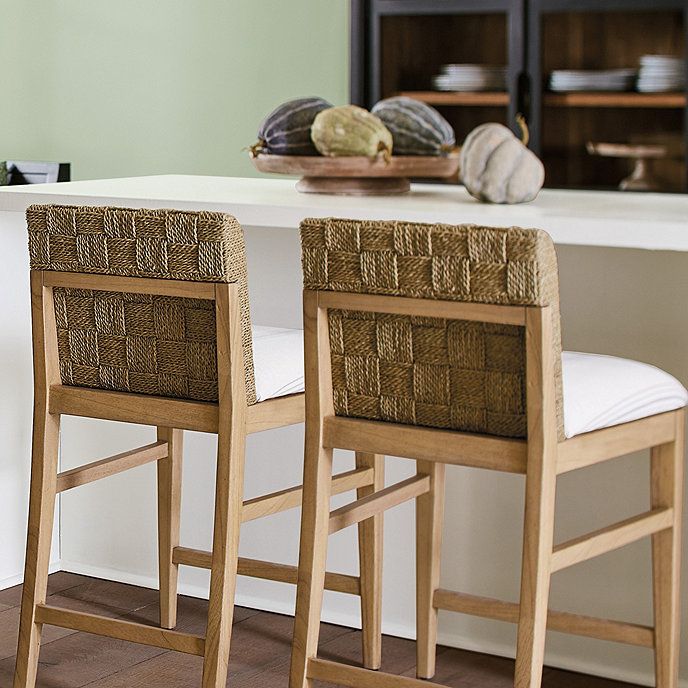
<point x="260" y="647"/>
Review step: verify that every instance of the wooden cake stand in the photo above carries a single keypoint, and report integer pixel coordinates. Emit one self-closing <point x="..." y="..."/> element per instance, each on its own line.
<point x="642" y="177"/>
<point x="358" y="176"/>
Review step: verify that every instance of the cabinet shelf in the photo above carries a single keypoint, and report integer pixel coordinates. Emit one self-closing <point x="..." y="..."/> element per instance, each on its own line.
<point x="468" y="98"/>
<point x="615" y="100"/>
<point x="399" y="46"/>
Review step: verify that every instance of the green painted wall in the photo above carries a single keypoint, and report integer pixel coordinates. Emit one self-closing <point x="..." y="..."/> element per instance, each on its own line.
<point x="137" y="87"/>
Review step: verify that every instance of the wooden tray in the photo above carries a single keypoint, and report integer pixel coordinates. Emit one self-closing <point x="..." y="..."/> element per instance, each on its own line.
<point x="358" y="176"/>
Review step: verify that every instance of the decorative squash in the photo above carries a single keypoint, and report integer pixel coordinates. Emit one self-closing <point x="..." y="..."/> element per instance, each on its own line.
<point x="498" y="168"/>
<point x="287" y="129"/>
<point x="350" y="130"/>
<point x="417" y="128"/>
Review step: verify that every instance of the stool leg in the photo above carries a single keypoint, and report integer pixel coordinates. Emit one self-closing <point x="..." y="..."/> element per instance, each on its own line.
<point x="538" y="538"/>
<point x="315" y="517"/>
<point x="228" y="503"/>
<point x="370" y="534"/>
<point x="429" y="519"/>
<point x="44" y="453"/>
<point x="169" y="514"/>
<point x="667" y="491"/>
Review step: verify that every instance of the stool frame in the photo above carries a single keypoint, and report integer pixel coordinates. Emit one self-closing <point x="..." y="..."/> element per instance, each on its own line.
<point x="231" y="418"/>
<point x="540" y="458"/>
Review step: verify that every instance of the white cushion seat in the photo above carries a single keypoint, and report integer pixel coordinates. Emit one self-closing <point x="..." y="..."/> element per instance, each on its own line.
<point x="599" y="391"/>
<point x="277" y="361"/>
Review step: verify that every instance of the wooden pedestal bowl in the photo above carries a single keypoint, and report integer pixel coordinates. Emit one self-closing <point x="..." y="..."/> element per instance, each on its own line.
<point x="358" y="176"/>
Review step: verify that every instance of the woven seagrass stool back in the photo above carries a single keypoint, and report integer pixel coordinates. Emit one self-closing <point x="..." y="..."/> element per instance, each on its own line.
<point x="451" y="374"/>
<point x="145" y="344"/>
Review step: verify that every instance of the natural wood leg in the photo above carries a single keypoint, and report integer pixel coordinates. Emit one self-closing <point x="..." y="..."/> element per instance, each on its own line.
<point x="667" y="491"/>
<point x="228" y="499"/>
<point x="541" y="480"/>
<point x="312" y="561"/>
<point x="535" y="576"/>
<point x="169" y="514"/>
<point x="317" y="489"/>
<point x="429" y="519"/>
<point x="370" y="534"/>
<point x="229" y="486"/>
<point x="46" y="437"/>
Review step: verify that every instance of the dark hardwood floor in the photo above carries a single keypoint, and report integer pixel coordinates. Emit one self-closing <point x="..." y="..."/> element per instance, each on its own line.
<point x="260" y="647"/>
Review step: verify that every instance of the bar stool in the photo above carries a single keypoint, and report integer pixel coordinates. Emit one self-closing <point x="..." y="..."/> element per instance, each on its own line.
<point x="142" y="316"/>
<point x="442" y="344"/>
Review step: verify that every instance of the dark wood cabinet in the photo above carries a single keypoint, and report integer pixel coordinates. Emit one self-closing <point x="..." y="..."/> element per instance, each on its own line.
<point x="398" y="45"/>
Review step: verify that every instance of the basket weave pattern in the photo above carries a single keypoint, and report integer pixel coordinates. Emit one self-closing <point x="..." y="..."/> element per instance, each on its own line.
<point x="138" y="343"/>
<point x="461" y="375"/>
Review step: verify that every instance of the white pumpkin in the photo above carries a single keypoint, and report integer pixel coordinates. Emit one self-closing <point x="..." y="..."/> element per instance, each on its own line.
<point x="498" y="168"/>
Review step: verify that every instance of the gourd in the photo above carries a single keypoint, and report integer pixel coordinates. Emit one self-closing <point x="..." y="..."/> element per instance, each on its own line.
<point x="417" y="128"/>
<point x="350" y="130"/>
<point x="498" y="168"/>
<point x="287" y="129"/>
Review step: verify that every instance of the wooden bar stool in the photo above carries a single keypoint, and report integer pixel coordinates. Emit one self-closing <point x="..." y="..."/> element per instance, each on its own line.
<point x="142" y="316"/>
<point x="442" y="344"/>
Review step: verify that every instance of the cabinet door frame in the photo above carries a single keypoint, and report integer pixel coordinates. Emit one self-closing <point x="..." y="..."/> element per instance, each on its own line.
<point x="366" y="20"/>
<point x="537" y="9"/>
<point x="524" y="34"/>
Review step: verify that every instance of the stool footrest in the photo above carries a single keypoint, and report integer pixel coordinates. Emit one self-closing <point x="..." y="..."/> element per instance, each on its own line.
<point x="564" y="622"/>
<point x="268" y="570"/>
<point x="283" y="500"/>
<point x="111" y="466"/>
<point x="610" y="538"/>
<point x="357" y="677"/>
<point x="379" y="501"/>
<point x="121" y="630"/>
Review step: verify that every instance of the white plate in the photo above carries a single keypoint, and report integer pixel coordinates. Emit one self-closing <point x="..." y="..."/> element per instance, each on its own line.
<point x="594" y="73"/>
<point x="663" y="60"/>
<point x="474" y="67"/>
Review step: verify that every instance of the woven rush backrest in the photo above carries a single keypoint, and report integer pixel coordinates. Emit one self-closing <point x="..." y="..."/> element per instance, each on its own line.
<point x="452" y="374"/>
<point x="127" y="342"/>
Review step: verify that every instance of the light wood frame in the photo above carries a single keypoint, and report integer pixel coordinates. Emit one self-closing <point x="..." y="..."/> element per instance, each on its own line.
<point x="540" y="459"/>
<point x="232" y="419"/>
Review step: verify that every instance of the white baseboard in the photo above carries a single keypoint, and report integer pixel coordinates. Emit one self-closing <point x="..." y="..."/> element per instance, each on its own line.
<point x="401" y="631"/>
<point x="17" y="579"/>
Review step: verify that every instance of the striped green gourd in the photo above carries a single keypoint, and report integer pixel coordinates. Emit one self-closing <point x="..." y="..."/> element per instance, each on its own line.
<point x="287" y="129"/>
<point x="350" y="130"/>
<point x="417" y="128"/>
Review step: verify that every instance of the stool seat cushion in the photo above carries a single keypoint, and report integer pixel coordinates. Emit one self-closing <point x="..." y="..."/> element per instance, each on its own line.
<point x="601" y="391"/>
<point x="277" y="361"/>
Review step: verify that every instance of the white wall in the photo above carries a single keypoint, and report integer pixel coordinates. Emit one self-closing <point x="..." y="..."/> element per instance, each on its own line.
<point x="623" y="302"/>
<point x="16" y="399"/>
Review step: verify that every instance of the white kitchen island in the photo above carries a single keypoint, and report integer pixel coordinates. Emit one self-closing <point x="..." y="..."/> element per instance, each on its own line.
<point x="624" y="291"/>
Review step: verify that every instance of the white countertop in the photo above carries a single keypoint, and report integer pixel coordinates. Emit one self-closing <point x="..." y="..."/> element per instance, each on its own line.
<point x="584" y="218"/>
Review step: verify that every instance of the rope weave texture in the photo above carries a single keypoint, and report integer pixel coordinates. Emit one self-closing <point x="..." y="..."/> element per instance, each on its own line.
<point x="452" y="374"/>
<point x="137" y="343"/>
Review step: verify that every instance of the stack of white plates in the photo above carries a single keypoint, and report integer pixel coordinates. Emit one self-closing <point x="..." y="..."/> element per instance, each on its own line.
<point x="661" y="73"/>
<point x="470" y="77"/>
<point x="592" y="79"/>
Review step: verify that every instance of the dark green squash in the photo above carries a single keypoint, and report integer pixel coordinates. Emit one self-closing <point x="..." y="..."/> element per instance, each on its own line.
<point x="287" y="129"/>
<point x="417" y="128"/>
